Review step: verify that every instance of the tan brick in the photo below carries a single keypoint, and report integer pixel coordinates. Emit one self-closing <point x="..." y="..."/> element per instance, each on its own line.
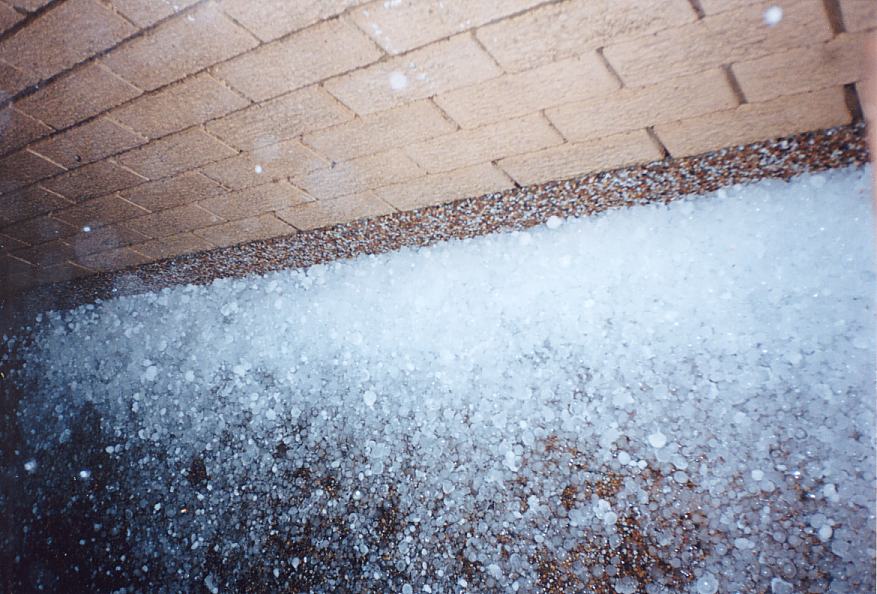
<point x="358" y="175"/>
<point x="63" y="36"/>
<point x="837" y="62"/>
<point x="173" y="221"/>
<point x="92" y="141"/>
<point x="18" y="129"/>
<point x="514" y="95"/>
<point x="65" y="271"/>
<point x="29" y="5"/>
<point x="270" y="19"/>
<point x="8" y="17"/>
<point x="144" y="13"/>
<point x="437" y="68"/>
<point x="23" y="168"/>
<point x="252" y="229"/>
<point x="481" y="145"/>
<point x="29" y="202"/>
<point x="756" y="121"/>
<point x="175" y="245"/>
<point x="255" y="201"/>
<point x="114" y="259"/>
<point x="95" y="179"/>
<point x="323" y="213"/>
<point x="40" y="229"/>
<point x="279" y="119"/>
<point x="10" y="265"/>
<point x="186" y="188"/>
<point x="445" y="187"/>
<point x="171" y="109"/>
<point x="716" y="6"/>
<point x="571" y="160"/>
<point x="8" y="244"/>
<point x="175" y="153"/>
<point x="859" y="15"/>
<point x="304" y="58"/>
<point x="100" y="211"/>
<point x="725" y="38"/>
<point x="103" y="239"/>
<point x="380" y="131"/>
<point x="267" y="163"/>
<point x="183" y="45"/>
<point x="402" y="26"/>
<point x="567" y="29"/>
<point x="636" y="108"/>
<point x="13" y="80"/>
<point x="46" y="254"/>
<point x="85" y="92"/>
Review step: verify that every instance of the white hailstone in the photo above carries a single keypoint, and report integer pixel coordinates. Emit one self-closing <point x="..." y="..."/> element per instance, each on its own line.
<point x="554" y="222"/>
<point x="707" y="584"/>
<point x="86" y="229"/>
<point x="85" y="473"/>
<point x="407" y="589"/>
<point x="151" y="373"/>
<point x="369" y="397"/>
<point x="780" y="586"/>
<point x="30" y="466"/>
<point x="757" y="475"/>
<point x="157" y="507"/>
<point x="657" y="440"/>
<point x="276" y="572"/>
<point x="825" y="532"/>
<point x="773" y="15"/>
<point x="258" y="169"/>
<point x="829" y="491"/>
<point x="398" y="80"/>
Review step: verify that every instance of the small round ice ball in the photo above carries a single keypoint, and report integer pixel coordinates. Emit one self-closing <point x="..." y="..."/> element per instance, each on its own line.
<point x="773" y="15"/>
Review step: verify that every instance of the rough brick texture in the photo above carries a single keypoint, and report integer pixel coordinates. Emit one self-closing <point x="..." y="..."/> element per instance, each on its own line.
<point x="81" y="94"/>
<point x="573" y="159"/>
<point x="358" y="175"/>
<point x="174" y="245"/>
<point x="96" y="179"/>
<point x="29" y="202"/>
<point x="186" y="188"/>
<point x="174" y="108"/>
<point x="114" y="259"/>
<point x="755" y="121"/>
<point x="24" y="167"/>
<point x="99" y="138"/>
<point x="270" y="19"/>
<point x="304" y="58"/>
<point x="18" y="129"/>
<point x="99" y="211"/>
<point x="8" y="17"/>
<point x="264" y="164"/>
<point x="859" y="15"/>
<point x="553" y="84"/>
<point x="39" y="229"/>
<point x="437" y="68"/>
<point x="46" y="254"/>
<point x="144" y="13"/>
<point x="380" y="131"/>
<point x="173" y="221"/>
<point x="103" y="239"/>
<point x="444" y="187"/>
<point x="180" y="46"/>
<point x="64" y="35"/>
<point x="176" y="153"/>
<point x="323" y="213"/>
<point x="260" y="227"/>
<point x="254" y="201"/>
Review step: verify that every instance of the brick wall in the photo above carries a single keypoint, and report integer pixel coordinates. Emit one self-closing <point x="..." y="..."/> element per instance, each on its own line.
<point x="134" y="130"/>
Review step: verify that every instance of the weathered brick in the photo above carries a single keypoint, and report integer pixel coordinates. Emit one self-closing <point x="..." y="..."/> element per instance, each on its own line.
<point x="173" y="221"/>
<point x="279" y="119"/>
<point x="261" y="227"/>
<point x="270" y="19"/>
<point x="29" y="202"/>
<point x="636" y="108"/>
<point x="571" y="160"/>
<point x="100" y="211"/>
<point x="267" y="163"/>
<point x="255" y="201"/>
<point x="840" y="61"/>
<point x="95" y="179"/>
<point x="46" y="254"/>
<point x="92" y="141"/>
<point x="10" y="265"/>
<point x="174" y="108"/>
<point x="39" y="229"/>
<point x="859" y="15"/>
<point x="8" y="244"/>
<point x="514" y="95"/>
<point x="85" y="92"/>
<point x="756" y="121"/>
<point x="445" y="187"/>
<point x="567" y="29"/>
<point x="24" y="167"/>
<point x="63" y="36"/>
<point x="8" y="17"/>
<point x="175" y="153"/>
<point x="725" y="38"/>
<point x="392" y="25"/>
<point x="61" y="272"/>
<point x="144" y="13"/>
<point x="323" y="213"/>
<point x="358" y="175"/>
<point x="175" y="245"/>
<point x="436" y="68"/>
<point x="113" y="259"/>
<point x="183" y="45"/>
<point x="485" y="144"/>
<point x="18" y="129"/>
<point x="104" y="238"/>
<point x="304" y="58"/>
<point x="716" y="6"/>
<point x="29" y="5"/>
<point x="380" y="131"/>
<point x="14" y="80"/>
<point x="186" y="188"/>
<point x="16" y="283"/>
